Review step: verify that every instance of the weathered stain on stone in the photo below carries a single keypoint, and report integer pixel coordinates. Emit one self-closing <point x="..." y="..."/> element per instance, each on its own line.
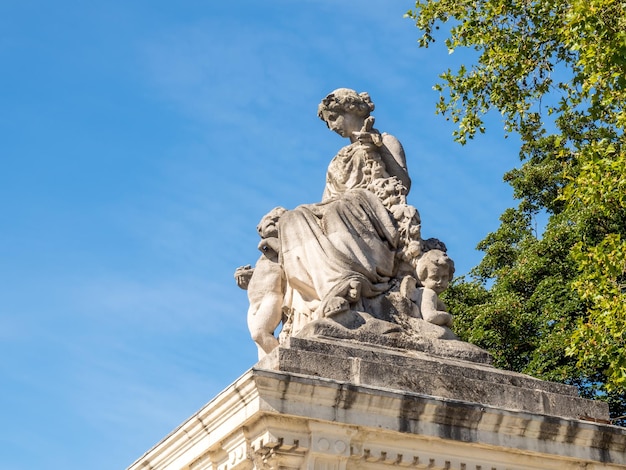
<point x="459" y="422"/>
<point x="346" y="396"/>
<point x="409" y="414"/>
<point x="601" y="444"/>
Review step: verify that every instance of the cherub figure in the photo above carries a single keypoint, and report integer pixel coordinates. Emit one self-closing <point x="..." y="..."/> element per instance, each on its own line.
<point x="265" y="284"/>
<point x="434" y="270"/>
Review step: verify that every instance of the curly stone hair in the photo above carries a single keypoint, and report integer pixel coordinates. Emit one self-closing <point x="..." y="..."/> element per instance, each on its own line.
<point x="437" y="258"/>
<point x="346" y="100"/>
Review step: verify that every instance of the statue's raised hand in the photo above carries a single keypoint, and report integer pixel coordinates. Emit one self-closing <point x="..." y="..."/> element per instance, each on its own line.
<point x="243" y="274"/>
<point x="368" y="136"/>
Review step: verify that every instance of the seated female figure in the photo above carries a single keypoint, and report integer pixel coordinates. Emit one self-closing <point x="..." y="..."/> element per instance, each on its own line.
<point x="350" y="234"/>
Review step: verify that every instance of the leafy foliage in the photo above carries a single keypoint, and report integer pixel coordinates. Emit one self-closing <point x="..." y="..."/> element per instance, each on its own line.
<point x="553" y="305"/>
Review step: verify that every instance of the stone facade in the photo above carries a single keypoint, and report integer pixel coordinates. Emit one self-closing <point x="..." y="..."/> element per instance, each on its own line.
<point x="326" y="405"/>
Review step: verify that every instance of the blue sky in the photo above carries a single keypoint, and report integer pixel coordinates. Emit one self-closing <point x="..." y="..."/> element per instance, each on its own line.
<point x="140" y="144"/>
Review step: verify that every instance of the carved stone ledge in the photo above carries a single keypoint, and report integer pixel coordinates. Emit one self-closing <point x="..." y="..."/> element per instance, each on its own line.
<point x="273" y="420"/>
<point x="430" y="375"/>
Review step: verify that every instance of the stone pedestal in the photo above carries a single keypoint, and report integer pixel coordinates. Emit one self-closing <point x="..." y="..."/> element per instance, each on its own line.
<point x="328" y="405"/>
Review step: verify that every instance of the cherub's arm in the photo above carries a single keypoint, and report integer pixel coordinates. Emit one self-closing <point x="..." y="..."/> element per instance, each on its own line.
<point x="432" y="308"/>
<point x="270" y="247"/>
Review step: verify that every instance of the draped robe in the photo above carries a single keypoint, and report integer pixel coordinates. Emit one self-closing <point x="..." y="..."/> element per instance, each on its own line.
<point x="349" y="236"/>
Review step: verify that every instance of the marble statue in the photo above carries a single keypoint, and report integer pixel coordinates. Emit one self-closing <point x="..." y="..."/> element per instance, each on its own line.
<point x="434" y="271"/>
<point x="265" y="284"/>
<point x="353" y="266"/>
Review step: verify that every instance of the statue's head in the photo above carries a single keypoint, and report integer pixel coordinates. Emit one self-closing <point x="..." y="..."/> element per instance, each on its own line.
<point x="435" y="270"/>
<point x="268" y="226"/>
<point x="345" y="101"/>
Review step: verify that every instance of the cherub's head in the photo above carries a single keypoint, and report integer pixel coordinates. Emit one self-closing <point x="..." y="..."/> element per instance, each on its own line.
<point x="435" y="270"/>
<point x="268" y="226"/>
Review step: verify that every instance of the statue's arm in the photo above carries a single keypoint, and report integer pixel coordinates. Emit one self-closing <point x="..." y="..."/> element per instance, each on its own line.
<point x="243" y="274"/>
<point x="270" y="247"/>
<point x="432" y="309"/>
<point x="394" y="158"/>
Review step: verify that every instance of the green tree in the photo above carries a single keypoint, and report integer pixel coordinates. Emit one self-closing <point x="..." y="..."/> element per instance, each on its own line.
<point x="552" y="305"/>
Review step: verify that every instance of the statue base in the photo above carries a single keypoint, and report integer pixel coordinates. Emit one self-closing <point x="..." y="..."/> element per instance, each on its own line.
<point x="437" y="376"/>
<point x="329" y="405"/>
